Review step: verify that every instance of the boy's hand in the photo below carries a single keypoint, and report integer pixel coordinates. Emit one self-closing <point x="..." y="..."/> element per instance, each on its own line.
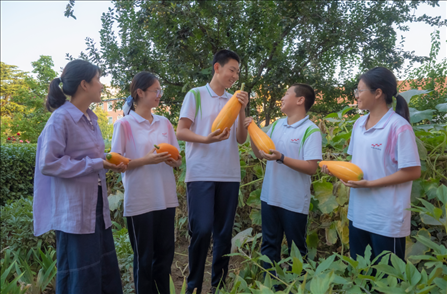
<point x="216" y="137"/>
<point x="274" y="156"/>
<point x="247" y="121"/>
<point x="242" y="97"/>
<point x="325" y="170"/>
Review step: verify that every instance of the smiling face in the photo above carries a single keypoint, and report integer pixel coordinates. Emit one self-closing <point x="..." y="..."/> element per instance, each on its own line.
<point x="228" y="74"/>
<point x="290" y="101"/>
<point x="366" y="99"/>
<point x="150" y="97"/>
<point x="94" y="88"/>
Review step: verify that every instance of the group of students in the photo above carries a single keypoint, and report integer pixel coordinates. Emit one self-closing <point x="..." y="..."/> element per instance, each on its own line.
<point x="70" y="193"/>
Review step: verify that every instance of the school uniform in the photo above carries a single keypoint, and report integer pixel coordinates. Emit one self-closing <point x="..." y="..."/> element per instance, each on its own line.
<point x="285" y="192"/>
<point x="379" y="216"/>
<point x="70" y="197"/>
<point x="150" y="199"/>
<point x="212" y="177"/>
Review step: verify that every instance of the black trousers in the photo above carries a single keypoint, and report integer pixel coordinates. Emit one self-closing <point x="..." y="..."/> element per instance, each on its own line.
<point x="87" y="263"/>
<point x="359" y="239"/>
<point x="152" y="238"/>
<point x="211" y="210"/>
<point x="276" y="222"/>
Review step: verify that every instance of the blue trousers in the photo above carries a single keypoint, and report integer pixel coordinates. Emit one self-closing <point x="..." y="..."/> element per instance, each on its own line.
<point x="87" y="263"/>
<point x="359" y="239"/>
<point x="151" y="235"/>
<point x="211" y="210"/>
<point x="276" y="222"/>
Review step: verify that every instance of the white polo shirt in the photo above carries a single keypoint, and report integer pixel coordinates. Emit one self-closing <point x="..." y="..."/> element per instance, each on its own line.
<point x="381" y="151"/>
<point x="283" y="186"/>
<point x="150" y="187"/>
<point x="216" y="162"/>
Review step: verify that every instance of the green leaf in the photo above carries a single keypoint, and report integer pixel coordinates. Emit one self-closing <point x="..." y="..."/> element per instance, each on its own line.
<point x="421" y="149"/>
<point x="321" y="285"/>
<point x="407" y="95"/>
<point x="442" y="107"/>
<point x="297" y="266"/>
<point x="255" y="216"/>
<point x="323" y="190"/>
<point x="342" y="194"/>
<point x="254" y="200"/>
<point x="417" y="116"/>
<point x="312" y="239"/>
<point x="441" y="193"/>
<point x="329" y="205"/>
<point x="413" y="275"/>
<point x="325" y="264"/>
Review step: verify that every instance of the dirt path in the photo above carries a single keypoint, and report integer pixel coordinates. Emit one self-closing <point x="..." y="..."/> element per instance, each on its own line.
<point x="180" y="271"/>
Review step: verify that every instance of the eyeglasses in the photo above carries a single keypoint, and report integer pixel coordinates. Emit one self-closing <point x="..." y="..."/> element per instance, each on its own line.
<point x="357" y="92"/>
<point x="159" y="92"/>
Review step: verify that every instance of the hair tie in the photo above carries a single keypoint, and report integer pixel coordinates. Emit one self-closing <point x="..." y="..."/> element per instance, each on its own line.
<point x="127" y="106"/>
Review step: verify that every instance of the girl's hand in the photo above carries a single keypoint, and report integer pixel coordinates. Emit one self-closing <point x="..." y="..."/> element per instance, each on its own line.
<point x="356" y="184"/>
<point x="325" y="170"/>
<point x="274" y="156"/>
<point x="154" y="158"/>
<point x="216" y="137"/>
<point x="247" y="121"/>
<point x="120" y="168"/>
<point x="174" y="163"/>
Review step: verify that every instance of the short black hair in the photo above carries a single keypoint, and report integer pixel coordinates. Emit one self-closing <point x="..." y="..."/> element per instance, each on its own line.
<point x="308" y="92"/>
<point x="223" y="56"/>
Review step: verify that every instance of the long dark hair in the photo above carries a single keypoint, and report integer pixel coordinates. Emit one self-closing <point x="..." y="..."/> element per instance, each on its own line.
<point x="382" y="78"/>
<point x="73" y="74"/>
<point x="141" y="80"/>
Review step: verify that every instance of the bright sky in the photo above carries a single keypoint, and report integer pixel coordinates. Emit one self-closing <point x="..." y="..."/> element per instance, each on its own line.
<point x="33" y="28"/>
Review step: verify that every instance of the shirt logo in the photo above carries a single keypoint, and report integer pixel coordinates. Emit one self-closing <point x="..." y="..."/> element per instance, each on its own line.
<point x="376" y="146"/>
<point x="295" y="141"/>
<point x="164" y="134"/>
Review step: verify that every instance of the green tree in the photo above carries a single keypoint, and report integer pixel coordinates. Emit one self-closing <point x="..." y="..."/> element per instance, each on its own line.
<point x="432" y="76"/>
<point x="103" y="122"/>
<point x="13" y="81"/>
<point x="280" y="43"/>
<point x="30" y="115"/>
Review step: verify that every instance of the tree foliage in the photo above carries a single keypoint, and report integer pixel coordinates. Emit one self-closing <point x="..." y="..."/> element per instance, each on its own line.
<point x="279" y="42"/>
<point x="24" y="100"/>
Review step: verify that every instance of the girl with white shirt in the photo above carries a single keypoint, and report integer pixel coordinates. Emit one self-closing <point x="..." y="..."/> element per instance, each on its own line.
<point x="150" y="194"/>
<point x="383" y="145"/>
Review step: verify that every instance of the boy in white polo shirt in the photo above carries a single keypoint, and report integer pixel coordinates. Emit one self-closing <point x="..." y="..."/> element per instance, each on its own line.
<point x="212" y="170"/>
<point x="285" y="192"/>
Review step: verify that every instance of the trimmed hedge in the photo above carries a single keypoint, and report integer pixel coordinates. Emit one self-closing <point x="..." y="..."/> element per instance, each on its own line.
<point x="17" y="163"/>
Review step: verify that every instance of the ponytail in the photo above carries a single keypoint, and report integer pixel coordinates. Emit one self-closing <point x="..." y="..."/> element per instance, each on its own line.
<point x="402" y="107"/>
<point x="382" y="78"/>
<point x="56" y="97"/>
<point x="73" y="74"/>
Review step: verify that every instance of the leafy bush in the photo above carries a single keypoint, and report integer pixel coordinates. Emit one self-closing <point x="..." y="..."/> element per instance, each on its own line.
<point x="17" y="163"/>
<point x="16" y="226"/>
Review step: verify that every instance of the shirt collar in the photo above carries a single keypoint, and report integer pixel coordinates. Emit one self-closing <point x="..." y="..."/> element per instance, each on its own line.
<point x="297" y="124"/>
<point x="141" y="119"/>
<point x="75" y="113"/>
<point x="382" y="122"/>
<point x="214" y="95"/>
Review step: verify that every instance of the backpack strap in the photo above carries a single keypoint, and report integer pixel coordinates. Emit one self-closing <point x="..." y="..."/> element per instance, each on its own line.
<point x="196" y="93"/>
<point x="309" y="131"/>
<point x="273" y="127"/>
